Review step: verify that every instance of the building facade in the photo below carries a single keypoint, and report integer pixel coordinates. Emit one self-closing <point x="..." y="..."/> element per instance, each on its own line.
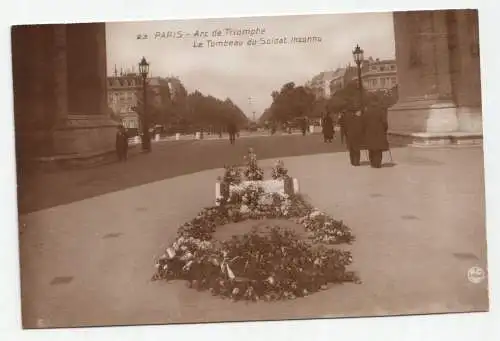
<point x="320" y="84"/>
<point x="338" y="80"/>
<point x="376" y="74"/>
<point x="122" y="98"/>
<point x="59" y="81"/>
<point x="438" y="63"/>
<point x="124" y="95"/>
<point x="380" y="75"/>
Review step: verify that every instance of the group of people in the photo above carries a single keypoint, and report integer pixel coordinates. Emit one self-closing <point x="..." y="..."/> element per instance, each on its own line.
<point x="361" y="130"/>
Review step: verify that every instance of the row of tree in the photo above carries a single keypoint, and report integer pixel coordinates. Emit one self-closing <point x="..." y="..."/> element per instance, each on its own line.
<point x="185" y="112"/>
<point x="293" y="102"/>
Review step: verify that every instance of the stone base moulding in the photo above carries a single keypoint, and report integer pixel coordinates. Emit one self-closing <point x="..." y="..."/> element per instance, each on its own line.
<point x="435" y="139"/>
<point x="84" y="134"/>
<point x="470" y="119"/>
<point x="423" y="115"/>
<point x="434" y="122"/>
<point x="80" y="140"/>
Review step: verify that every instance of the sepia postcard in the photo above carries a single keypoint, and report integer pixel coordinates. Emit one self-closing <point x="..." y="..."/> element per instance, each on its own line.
<point x="249" y="169"/>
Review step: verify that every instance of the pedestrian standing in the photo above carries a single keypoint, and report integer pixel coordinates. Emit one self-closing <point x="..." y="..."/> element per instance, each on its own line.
<point x="303" y="125"/>
<point x="341" y="123"/>
<point x="273" y="128"/>
<point x="354" y="135"/>
<point x="121" y="143"/>
<point x="327" y="128"/>
<point x="376" y="127"/>
<point x="232" y="130"/>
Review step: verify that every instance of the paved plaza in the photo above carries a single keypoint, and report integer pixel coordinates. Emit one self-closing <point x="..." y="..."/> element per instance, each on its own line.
<point x="419" y="227"/>
<point x="168" y="159"/>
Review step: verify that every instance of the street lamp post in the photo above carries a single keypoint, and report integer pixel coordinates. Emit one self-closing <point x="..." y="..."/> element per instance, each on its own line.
<point x="358" y="59"/>
<point x="146" y="138"/>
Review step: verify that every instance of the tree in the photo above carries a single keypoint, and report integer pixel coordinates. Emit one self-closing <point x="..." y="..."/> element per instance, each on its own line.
<point x="348" y="99"/>
<point x="153" y="108"/>
<point x="171" y="106"/>
<point x="291" y="102"/>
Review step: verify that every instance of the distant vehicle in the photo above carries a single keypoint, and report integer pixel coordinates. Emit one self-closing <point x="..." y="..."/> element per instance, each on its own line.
<point x="252" y="127"/>
<point x="132" y="132"/>
<point x="159" y="129"/>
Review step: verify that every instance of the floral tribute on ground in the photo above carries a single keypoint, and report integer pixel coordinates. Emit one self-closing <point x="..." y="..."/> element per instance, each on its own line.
<point x="269" y="264"/>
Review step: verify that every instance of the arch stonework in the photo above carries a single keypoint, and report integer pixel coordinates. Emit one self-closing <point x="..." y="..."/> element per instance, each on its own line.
<point x="439" y="82"/>
<point x="60" y="95"/>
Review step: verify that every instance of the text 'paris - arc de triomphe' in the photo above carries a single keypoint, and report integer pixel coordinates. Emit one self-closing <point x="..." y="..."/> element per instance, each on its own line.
<point x="60" y="95"/>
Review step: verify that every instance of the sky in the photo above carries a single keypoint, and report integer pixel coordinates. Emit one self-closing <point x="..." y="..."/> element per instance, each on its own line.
<point x="248" y="74"/>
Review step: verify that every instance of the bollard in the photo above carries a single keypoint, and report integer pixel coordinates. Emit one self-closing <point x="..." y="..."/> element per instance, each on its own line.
<point x="177" y="136"/>
<point x="157" y="137"/>
<point x="197" y="136"/>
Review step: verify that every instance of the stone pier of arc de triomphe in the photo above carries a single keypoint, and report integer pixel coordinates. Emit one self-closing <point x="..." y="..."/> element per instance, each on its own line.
<point x="439" y="82"/>
<point x="60" y="97"/>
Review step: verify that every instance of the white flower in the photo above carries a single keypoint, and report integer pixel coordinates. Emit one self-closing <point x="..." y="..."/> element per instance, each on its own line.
<point x="187" y="266"/>
<point x="244" y="209"/>
<point x="171" y="252"/>
<point x="188" y="256"/>
<point x="315" y="214"/>
<point x="266" y="200"/>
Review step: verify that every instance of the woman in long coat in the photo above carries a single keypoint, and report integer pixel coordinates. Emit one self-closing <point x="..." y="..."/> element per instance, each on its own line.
<point x="376" y="135"/>
<point x="327" y="127"/>
<point x="121" y="143"/>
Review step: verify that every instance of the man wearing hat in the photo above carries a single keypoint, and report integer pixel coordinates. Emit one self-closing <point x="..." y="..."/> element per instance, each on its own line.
<point x="121" y="143"/>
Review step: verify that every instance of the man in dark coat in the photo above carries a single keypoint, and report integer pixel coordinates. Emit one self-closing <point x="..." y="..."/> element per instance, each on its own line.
<point x="327" y="128"/>
<point x="121" y="143"/>
<point x="341" y="123"/>
<point x="232" y="130"/>
<point x="354" y="135"/>
<point x="303" y="125"/>
<point x="376" y="135"/>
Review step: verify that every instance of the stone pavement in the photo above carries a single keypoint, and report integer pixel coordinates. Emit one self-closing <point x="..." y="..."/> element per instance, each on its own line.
<point x="420" y="225"/>
<point x="168" y="159"/>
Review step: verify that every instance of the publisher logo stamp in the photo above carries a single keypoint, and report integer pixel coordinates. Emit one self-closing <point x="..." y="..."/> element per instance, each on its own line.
<point x="476" y="275"/>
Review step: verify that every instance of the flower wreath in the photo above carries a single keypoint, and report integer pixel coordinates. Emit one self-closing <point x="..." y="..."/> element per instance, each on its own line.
<point x="254" y="266"/>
